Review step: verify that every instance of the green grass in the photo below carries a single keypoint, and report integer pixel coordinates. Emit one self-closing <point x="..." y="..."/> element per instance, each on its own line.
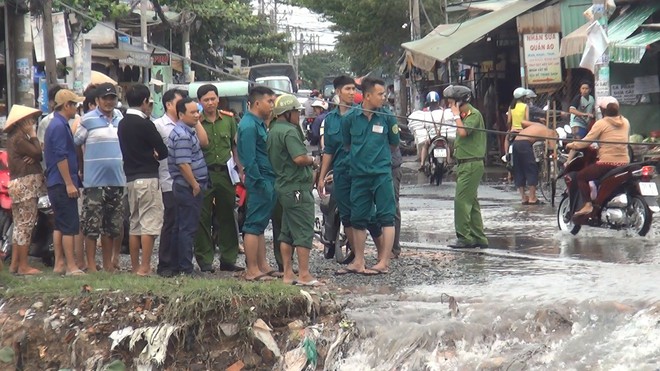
<point x="52" y="286"/>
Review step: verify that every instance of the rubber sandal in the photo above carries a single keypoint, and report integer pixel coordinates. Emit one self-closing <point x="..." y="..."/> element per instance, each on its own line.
<point x="312" y="283"/>
<point x="77" y="272"/>
<point x="344" y="271"/>
<point x="261" y="278"/>
<point x="275" y="274"/>
<point x="371" y="272"/>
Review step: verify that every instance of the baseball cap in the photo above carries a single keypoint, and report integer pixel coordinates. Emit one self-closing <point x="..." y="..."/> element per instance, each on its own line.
<point x="604" y="101"/>
<point x="106" y="89"/>
<point x="65" y="96"/>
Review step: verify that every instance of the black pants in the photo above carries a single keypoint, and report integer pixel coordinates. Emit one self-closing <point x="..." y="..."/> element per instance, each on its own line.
<point x="396" y="178"/>
<point x="168" y="235"/>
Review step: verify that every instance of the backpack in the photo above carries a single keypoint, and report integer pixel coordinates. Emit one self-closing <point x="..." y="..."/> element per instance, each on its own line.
<point x="314" y="134"/>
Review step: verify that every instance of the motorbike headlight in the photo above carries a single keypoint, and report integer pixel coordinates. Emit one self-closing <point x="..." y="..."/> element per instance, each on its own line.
<point x="43" y="203"/>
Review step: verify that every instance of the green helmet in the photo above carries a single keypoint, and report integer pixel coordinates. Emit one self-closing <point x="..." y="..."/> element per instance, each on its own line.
<point x="285" y="103"/>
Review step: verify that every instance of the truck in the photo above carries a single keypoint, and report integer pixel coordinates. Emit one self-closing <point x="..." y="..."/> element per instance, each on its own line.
<point x="281" y="77"/>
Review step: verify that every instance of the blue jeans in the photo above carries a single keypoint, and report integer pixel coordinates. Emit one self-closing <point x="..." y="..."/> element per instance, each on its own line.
<point x="188" y="212"/>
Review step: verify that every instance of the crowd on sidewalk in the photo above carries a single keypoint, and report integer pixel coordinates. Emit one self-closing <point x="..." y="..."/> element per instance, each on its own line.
<point x="175" y="177"/>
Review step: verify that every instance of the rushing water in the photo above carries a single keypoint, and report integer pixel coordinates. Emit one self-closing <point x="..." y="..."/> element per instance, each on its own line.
<point x="586" y="302"/>
<point x="514" y="315"/>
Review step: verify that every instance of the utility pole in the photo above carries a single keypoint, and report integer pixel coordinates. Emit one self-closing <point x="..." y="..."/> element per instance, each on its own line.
<point x="448" y="58"/>
<point x="415" y="33"/>
<point x="602" y="69"/>
<point x="49" y="43"/>
<point x="186" y="53"/>
<point x="145" y="36"/>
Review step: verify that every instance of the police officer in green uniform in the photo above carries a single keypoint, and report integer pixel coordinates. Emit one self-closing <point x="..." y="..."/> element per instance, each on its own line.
<point x="220" y="198"/>
<point x="470" y="150"/>
<point x="259" y="181"/>
<point x="336" y="157"/>
<point x="371" y="132"/>
<point x="293" y="185"/>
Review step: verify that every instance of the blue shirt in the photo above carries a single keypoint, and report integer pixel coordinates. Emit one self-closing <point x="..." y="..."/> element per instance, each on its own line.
<point x="58" y="145"/>
<point x="103" y="161"/>
<point x="184" y="148"/>
<point x="253" y="150"/>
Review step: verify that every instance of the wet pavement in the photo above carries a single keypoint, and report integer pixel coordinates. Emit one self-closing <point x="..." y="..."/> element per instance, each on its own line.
<point x="538" y="298"/>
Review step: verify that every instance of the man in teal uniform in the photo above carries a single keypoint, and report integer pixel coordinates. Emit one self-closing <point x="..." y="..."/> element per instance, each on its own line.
<point x="220" y="198"/>
<point x="259" y="181"/>
<point x="371" y="133"/>
<point x="337" y="158"/>
<point x="470" y="150"/>
<point x="293" y="185"/>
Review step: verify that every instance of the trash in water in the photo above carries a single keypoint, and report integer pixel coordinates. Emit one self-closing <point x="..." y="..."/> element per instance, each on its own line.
<point x="453" y="306"/>
<point x="262" y="332"/>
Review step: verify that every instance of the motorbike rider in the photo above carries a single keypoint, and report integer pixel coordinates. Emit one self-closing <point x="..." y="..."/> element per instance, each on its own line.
<point x="421" y="124"/>
<point x="320" y="110"/>
<point x="613" y="127"/>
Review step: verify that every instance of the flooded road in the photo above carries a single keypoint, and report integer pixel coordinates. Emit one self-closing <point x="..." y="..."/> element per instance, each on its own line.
<point x="536" y="299"/>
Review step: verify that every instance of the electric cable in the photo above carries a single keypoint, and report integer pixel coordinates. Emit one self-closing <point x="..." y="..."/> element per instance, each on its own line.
<point x="240" y="78"/>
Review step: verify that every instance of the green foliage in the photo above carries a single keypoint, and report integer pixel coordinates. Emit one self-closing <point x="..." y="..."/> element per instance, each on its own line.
<point x="371" y="32"/>
<point x="99" y="10"/>
<point x="313" y="67"/>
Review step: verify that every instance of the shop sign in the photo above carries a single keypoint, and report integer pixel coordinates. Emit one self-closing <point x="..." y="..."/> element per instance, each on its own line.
<point x="60" y="39"/>
<point x="542" y="58"/>
<point x="160" y="59"/>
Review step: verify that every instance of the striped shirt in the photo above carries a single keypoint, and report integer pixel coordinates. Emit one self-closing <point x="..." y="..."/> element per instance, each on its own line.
<point x="103" y="162"/>
<point x="184" y="148"/>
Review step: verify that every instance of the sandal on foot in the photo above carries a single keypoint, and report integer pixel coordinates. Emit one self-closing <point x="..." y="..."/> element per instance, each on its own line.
<point x="77" y="272"/>
<point x="312" y="283"/>
<point x="260" y="278"/>
<point x="344" y="271"/>
<point x="275" y="274"/>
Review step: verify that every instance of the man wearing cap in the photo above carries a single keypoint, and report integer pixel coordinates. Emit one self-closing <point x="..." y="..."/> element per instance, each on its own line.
<point x="220" y="198"/>
<point x="62" y="180"/>
<point x="103" y="178"/>
<point x="293" y="185"/>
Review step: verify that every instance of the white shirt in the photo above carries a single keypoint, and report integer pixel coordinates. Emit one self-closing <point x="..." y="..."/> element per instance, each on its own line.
<point x="164" y="125"/>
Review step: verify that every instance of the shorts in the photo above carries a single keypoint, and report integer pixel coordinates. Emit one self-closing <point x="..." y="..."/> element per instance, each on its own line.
<point x="260" y="204"/>
<point x="145" y="202"/>
<point x="102" y="212"/>
<point x="297" y="218"/>
<point x="525" y="167"/>
<point x="65" y="210"/>
<point x="579" y="131"/>
<point x="367" y="191"/>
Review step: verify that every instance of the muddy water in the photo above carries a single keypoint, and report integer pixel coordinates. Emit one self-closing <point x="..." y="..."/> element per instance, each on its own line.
<point x="514" y="314"/>
<point x="586" y="302"/>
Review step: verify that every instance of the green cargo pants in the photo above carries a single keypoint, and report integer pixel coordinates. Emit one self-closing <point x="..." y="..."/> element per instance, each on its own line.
<point x="467" y="213"/>
<point x="223" y="193"/>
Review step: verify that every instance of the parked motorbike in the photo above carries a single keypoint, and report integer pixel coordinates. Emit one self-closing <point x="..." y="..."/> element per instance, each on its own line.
<point x="330" y="230"/>
<point x="41" y="245"/>
<point x="624" y="198"/>
<point x="437" y="159"/>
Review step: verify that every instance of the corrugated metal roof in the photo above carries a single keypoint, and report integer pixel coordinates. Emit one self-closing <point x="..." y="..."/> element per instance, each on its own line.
<point x="572" y="18"/>
<point x="546" y="20"/>
<point x="632" y="50"/>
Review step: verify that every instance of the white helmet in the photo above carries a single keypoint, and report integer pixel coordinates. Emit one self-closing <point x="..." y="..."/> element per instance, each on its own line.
<point x="320" y="103"/>
<point x="529" y="93"/>
<point x="519" y="93"/>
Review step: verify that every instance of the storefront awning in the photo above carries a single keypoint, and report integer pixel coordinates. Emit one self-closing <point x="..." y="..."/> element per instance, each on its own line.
<point x="446" y="40"/>
<point x="617" y="31"/>
<point x="632" y="50"/>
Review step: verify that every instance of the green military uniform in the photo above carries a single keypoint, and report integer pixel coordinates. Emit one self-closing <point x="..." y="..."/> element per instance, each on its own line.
<point x="293" y="184"/>
<point x="469" y="152"/>
<point x="371" y="171"/>
<point x="220" y="198"/>
<point x="333" y="141"/>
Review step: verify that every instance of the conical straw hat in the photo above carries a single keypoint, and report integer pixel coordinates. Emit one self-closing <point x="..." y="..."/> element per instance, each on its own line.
<point x="18" y="113"/>
<point x="100" y="78"/>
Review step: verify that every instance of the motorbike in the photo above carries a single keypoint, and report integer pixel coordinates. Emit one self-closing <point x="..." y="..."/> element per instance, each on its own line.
<point x="624" y="198"/>
<point x="41" y="245"/>
<point x="330" y="230"/>
<point x="437" y="159"/>
<point x="407" y="141"/>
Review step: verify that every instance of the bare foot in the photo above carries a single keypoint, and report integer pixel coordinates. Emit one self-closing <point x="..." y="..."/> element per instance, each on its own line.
<point x="143" y="272"/>
<point x="28" y="271"/>
<point x="380" y="268"/>
<point x="59" y="269"/>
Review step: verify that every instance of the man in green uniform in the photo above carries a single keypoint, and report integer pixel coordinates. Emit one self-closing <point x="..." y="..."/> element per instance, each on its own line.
<point x="470" y="150"/>
<point x="371" y="133"/>
<point x="293" y="185"/>
<point x="259" y="181"/>
<point x="220" y="198"/>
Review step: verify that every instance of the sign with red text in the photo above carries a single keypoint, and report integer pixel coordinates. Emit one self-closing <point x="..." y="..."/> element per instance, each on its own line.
<point x="542" y="58"/>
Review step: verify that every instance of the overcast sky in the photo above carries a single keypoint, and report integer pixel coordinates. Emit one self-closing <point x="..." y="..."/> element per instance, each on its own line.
<point x="305" y="20"/>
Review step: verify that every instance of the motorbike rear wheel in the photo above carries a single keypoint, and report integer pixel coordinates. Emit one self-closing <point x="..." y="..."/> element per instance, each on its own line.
<point x="565" y="217"/>
<point x="640" y="214"/>
<point x="439" y="172"/>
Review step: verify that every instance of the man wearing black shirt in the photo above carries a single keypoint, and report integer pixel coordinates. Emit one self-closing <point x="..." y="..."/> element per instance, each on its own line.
<point x="142" y="147"/>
